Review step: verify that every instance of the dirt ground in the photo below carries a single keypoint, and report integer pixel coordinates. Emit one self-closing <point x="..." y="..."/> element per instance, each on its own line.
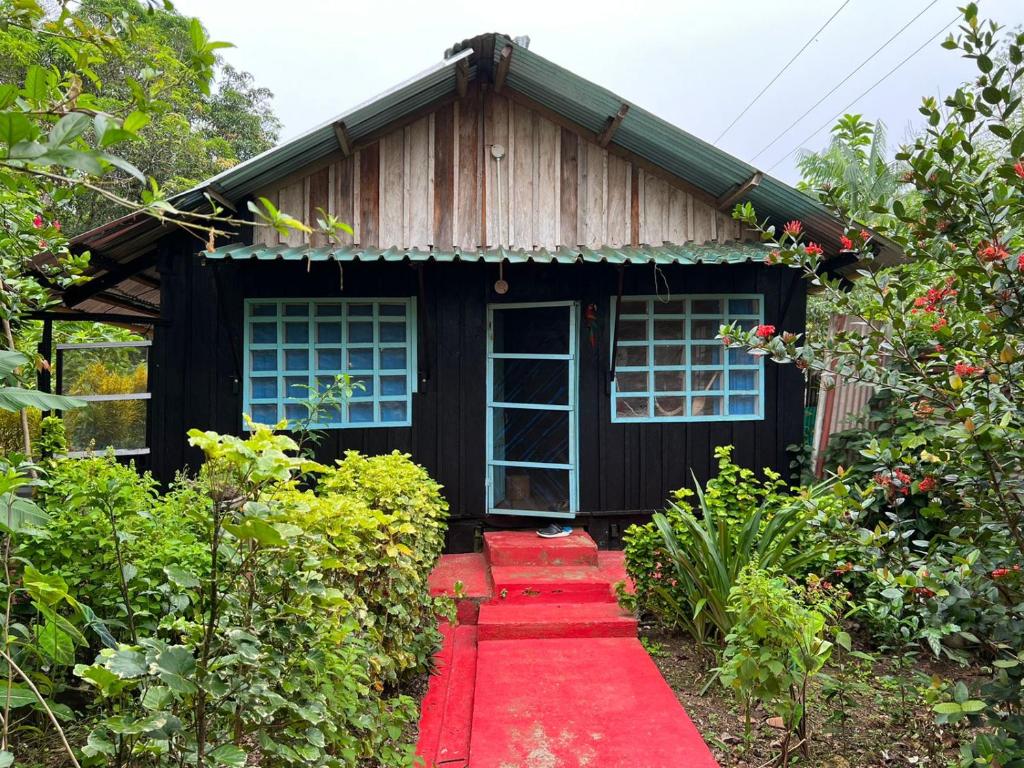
<point x="876" y="720"/>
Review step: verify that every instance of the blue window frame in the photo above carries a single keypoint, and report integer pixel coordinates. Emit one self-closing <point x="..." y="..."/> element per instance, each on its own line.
<point x="292" y="345"/>
<point x="670" y="367"/>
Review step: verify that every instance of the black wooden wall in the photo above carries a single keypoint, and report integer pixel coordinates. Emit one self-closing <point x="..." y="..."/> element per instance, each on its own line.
<point x="625" y="470"/>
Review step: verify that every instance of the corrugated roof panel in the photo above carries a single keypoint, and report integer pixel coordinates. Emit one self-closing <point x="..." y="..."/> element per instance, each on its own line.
<point x="688" y="253"/>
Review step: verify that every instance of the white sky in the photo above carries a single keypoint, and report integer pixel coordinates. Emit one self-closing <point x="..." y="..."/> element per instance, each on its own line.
<point x="696" y="63"/>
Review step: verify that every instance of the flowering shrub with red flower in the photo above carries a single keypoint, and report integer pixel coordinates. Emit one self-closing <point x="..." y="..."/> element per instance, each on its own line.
<point x="764" y="331"/>
<point x="938" y="330"/>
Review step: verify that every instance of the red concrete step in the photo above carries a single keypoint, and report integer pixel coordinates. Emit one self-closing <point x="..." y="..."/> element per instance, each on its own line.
<point x="553" y="620"/>
<point x="544" y="584"/>
<point x="465" y="578"/>
<point x="597" y="702"/>
<point x="446" y="714"/>
<point x="527" y="548"/>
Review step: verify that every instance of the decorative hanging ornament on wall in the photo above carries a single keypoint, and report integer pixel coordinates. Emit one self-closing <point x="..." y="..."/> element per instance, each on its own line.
<point x="501" y="285"/>
<point x="590" y="320"/>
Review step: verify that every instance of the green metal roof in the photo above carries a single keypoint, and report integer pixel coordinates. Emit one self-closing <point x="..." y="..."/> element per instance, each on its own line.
<point x="691" y="253"/>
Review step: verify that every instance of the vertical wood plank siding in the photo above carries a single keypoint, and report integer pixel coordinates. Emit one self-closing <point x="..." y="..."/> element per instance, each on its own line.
<point x="624" y="468"/>
<point x="434" y="182"/>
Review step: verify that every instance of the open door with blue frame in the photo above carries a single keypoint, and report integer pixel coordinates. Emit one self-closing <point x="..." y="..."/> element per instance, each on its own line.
<point x="531" y="409"/>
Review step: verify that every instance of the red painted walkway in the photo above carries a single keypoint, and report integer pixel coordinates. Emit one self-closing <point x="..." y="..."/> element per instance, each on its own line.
<point x="544" y="669"/>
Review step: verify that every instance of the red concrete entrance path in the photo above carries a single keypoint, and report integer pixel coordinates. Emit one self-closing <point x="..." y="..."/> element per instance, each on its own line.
<point x="544" y="669"/>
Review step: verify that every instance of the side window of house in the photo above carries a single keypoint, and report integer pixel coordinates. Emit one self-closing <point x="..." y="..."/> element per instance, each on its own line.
<point x="294" y="345"/>
<point x="670" y="367"/>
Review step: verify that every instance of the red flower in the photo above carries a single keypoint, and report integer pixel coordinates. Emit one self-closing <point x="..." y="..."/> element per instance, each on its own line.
<point x="940" y="324"/>
<point x="966" y="369"/>
<point x="55" y="224"/>
<point x="1018" y="168"/>
<point x="813" y="249"/>
<point x="927" y="484"/>
<point x="939" y="348"/>
<point x="865" y="235"/>
<point x="846" y="242"/>
<point x="765" y="331"/>
<point x="998" y="573"/>
<point x="727" y="340"/>
<point x="42" y="245"/>
<point x="932" y="301"/>
<point x="793" y="228"/>
<point x="1020" y="263"/>
<point x="923" y="592"/>
<point x="37" y="221"/>
<point x="990" y="252"/>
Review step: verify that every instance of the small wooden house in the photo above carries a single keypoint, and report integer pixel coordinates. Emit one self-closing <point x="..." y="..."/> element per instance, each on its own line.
<point x="528" y="302"/>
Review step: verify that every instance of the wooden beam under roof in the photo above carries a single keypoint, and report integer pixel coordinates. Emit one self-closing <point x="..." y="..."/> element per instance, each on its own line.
<point x="729" y="198"/>
<point x="504" y="63"/>
<point x="96" y="317"/>
<point x="341" y="134"/>
<point x="76" y="294"/>
<point x="611" y="125"/>
<point x="462" y="78"/>
<point x="216" y="193"/>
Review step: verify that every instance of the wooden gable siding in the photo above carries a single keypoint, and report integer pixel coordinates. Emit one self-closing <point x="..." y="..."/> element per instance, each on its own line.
<point x="436" y="183"/>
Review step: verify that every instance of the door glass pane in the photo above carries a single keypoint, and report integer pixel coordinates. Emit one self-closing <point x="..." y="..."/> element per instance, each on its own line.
<point x="537" y="330"/>
<point x="543" y="382"/>
<point x="626" y="356"/>
<point x="531" y="435"/>
<point x="531" y="489"/>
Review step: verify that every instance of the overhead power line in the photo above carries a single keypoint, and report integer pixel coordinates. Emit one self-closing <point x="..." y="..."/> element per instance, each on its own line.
<point x="781" y="72"/>
<point x="842" y="82"/>
<point x="874" y="85"/>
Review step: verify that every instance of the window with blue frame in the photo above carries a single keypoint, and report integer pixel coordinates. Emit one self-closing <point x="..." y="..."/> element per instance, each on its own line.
<point x="294" y="345"/>
<point x="670" y="367"/>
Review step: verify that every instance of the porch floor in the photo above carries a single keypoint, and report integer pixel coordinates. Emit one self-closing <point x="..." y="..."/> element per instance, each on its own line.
<point x="544" y="670"/>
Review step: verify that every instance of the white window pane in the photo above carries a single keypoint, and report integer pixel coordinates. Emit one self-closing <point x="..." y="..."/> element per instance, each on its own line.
<point x="705" y="329"/>
<point x="669" y="381"/>
<point x="669" y="329"/>
<point x="631" y="382"/>
<point x="706" y="354"/>
<point x="674" y="307"/>
<point x="631" y="356"/>
<point x="669" y="355"/>
<point x="669" y="407"/>
<point x="632" y="407"/>
<point x="702" y="381"/>
<point x="633" y="330"/>
<point x="633" y="307"/>
<point x="706" y="306"/>
<point x="707" y="406"/>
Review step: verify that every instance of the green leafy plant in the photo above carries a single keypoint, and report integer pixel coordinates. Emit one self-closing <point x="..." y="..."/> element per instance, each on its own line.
<point x="292" y="633"/>
<point x="775" y="647"/>
<point x="684" y="564"/>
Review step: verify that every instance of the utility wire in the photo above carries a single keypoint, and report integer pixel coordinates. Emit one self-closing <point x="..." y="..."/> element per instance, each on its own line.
<point x="874" y="85"/>
<point x="782" y="71"/>
<point x="838" y="85"/>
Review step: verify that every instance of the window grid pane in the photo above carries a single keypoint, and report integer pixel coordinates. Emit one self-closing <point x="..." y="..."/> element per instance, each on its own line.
<point x="295" y="345"/>
<point x="670" y="366"/>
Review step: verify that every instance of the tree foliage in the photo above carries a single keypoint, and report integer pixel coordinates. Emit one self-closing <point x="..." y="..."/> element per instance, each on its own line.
<point x="951" y="353"/>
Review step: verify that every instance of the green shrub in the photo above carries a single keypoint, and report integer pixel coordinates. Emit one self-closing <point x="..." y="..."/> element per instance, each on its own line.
<point x="776" y="645"/>
<point x="307" y="611"/>
<point x="106" y="519"/>
<point x="684" y="566"/>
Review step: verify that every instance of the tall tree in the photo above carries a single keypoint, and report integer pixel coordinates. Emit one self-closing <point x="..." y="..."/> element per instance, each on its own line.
<point x="194" y="131"/>
<point x="853" y="168"/>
